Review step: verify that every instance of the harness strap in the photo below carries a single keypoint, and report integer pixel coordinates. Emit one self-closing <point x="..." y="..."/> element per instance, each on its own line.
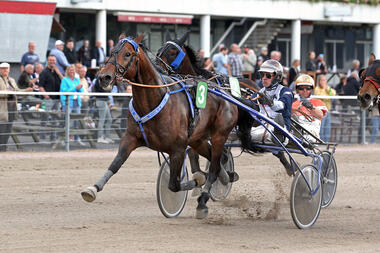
<point x="187" y="95"/>
<point x="178" y="60"/>
<point x="141" y="120"/>
<point x="377" y="86"/>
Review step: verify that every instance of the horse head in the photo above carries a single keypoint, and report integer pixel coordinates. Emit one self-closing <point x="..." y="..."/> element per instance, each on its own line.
<point x="369" y="92"/>
<point x="123" y="62"/>
<point x="172" y="53"/>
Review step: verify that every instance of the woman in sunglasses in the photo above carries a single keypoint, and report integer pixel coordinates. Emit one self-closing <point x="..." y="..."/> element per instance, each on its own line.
<point x="308" y="111"/>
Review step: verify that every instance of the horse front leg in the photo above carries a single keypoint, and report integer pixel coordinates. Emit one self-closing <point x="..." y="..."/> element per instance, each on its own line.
<point x="128" y="143"/>
<point x="176" y="163"/>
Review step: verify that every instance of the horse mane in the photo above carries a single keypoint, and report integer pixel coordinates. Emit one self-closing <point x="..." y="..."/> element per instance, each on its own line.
<point x="197" y="63"/>
<point x="154" y="62"/>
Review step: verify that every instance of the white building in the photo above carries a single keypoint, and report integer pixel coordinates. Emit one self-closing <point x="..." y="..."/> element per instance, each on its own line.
<point x="341" y="31"/>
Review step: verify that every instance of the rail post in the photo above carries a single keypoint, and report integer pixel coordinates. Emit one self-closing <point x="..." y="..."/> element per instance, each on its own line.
<point x="67" y="125"/>
<point x="363" y="125"/>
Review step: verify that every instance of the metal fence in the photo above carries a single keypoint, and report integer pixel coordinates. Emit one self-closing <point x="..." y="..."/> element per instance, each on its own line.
<point x="38" y="127"/>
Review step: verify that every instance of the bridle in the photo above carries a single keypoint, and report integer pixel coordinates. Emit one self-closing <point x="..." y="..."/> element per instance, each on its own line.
<point x="120" y="69"/>
<point x="377" y="86"/>
<point x="178" y="60"/>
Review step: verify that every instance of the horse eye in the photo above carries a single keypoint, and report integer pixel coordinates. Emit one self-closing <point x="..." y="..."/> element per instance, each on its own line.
<point x="128" y="54"/>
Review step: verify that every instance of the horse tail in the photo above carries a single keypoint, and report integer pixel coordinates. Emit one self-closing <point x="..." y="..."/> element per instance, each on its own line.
<point x="244" y="125"/>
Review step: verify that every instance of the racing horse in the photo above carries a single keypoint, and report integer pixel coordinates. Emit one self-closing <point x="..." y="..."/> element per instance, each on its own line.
<point x="369" y="93"/>
<point x="180" y="58"/>
<point x="168" y="117"/>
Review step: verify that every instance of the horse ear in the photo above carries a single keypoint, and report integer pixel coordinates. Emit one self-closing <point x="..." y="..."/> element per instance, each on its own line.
<point x="122" y="36"/>
<point x="167" y="35"/>
<point x="362" y="74"/>
<point x="184" y="38"/>
<point x="139" y="38"/>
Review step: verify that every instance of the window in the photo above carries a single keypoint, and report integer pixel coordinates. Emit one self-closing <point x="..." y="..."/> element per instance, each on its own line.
<point x="334" y="54"/>
<point x="362" y="51"/>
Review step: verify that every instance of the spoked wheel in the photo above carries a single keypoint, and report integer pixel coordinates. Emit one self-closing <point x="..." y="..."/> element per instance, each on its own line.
<point x="329" y="178"/>
<point x="171" y="203"/>
<point x="220" y="191"/>
<point x="304" y="206"/>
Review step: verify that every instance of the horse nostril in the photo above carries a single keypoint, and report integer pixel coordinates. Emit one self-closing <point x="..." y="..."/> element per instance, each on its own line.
<point x="107" y="78"/>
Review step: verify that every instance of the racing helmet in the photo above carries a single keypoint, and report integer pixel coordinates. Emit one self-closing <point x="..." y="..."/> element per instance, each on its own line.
<point x="305" y="80"/>
<point x="272" y="66"/>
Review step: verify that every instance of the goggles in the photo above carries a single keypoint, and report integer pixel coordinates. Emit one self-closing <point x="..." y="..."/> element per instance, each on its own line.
<point x="305" y="88"/>
<point x="266" y="74"/>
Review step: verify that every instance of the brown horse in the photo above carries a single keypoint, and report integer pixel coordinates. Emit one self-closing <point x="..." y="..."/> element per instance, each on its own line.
<point x="180" y="58"/>
<point x="169" y="130"/>
<point x="369" y="94"/>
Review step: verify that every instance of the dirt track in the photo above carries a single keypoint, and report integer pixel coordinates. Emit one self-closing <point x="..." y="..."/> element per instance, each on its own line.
<point x="41" y="209"/>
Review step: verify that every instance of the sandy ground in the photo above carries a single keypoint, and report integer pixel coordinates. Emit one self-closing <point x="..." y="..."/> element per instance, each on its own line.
<point x="41" y="209"/>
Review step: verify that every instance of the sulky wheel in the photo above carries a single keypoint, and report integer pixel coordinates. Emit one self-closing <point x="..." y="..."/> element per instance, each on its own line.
<point x="171" y="203"/>
<point x="219" y="190"/>
<point x="329" y="178"/>
<point x="305" y="206"/>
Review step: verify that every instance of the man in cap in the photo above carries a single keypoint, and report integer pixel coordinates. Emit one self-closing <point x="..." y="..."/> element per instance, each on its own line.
<point x="8" y="105"/>
<point x="60" y="57"/>
<point x="308" y="111"/>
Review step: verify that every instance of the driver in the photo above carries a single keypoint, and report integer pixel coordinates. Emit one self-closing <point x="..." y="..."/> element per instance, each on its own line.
<point x="275" y="101"/>
<point x="308" y="111"/>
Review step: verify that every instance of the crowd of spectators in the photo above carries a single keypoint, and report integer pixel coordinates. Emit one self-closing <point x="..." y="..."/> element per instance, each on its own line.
<point x="66" y="71"/>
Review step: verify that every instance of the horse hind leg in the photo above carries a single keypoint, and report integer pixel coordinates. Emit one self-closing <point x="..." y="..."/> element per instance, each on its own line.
<point x="127" y="145"/>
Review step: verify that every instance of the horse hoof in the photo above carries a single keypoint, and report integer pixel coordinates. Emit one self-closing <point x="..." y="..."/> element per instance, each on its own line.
<point x="200" y="178"/>
<point x="233" y="176"/>
<point x="89" y="194"/>
<point x="201" y="213"/>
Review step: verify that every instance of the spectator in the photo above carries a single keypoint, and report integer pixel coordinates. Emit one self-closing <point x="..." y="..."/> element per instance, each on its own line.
<point x="38" y="68"/>
<point x="310" y="63"/>
<point x="351" y="88"/>
<point x="321" y="64"/>
<point x="26" y="79"/>
<point x="105" y="119"/>
<point x="275" y="55"/>
<point x="8" y="105"/>
<point x="234" y="63"/>
<point x="308" y="111"/>
<point x="208" y="64"/>
<point x="201" y="55"/>
<point x="323" y="89"/>
<point x="69" y="52"/>
<point x="60" y="57"/>
<point x="50" y="81"/>
<point x="257" y="67"/>
<point x="294" y="71"/>
<point x="249" y="60"/>
<point x="98" y="53"/>
<point x="29" y="57"/>
<point x="340" y="85"/>
<point x="125" y="108"/>
<point x="220" y="61"/>
<point x="85" y="82"/>
<point x="355" y="69"/>
<point x="110" y="45"/>
<point x="264" y="54"/>
<point x="72" y="84"/>
<point x="84" y="55"/>
<point x="375" y="117"/>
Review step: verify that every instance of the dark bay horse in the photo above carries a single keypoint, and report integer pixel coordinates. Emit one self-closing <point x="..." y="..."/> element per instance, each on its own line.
<point x="369" y="94"/>
<point x="181" y="58"/>
<point x="168" y="129"/>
